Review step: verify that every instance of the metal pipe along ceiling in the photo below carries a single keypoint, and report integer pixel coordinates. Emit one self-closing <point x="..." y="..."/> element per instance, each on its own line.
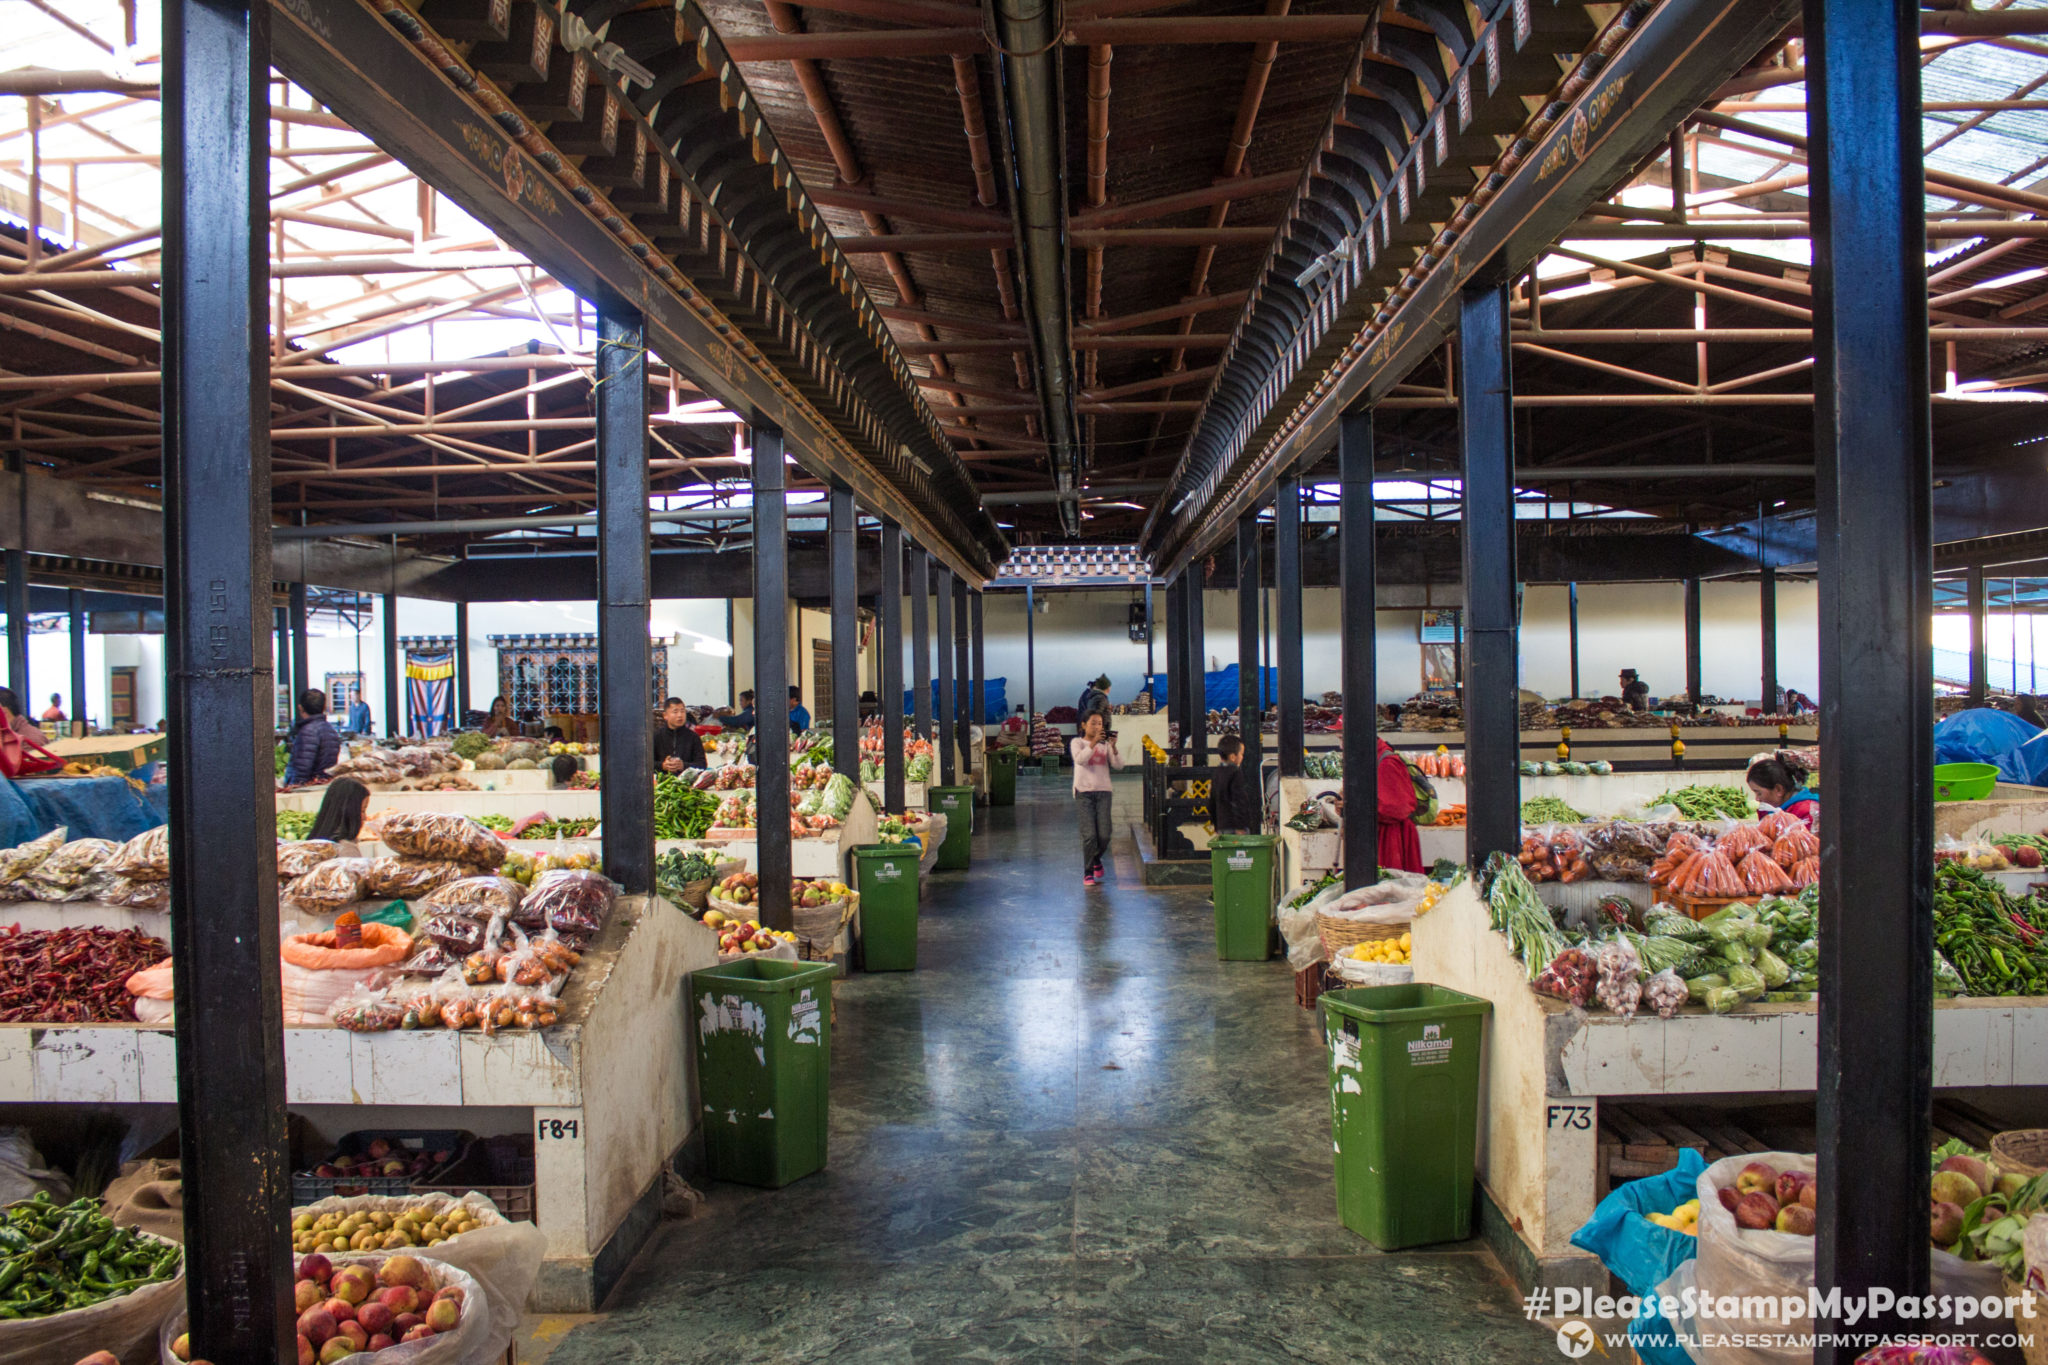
<point x="1034" y="143"/>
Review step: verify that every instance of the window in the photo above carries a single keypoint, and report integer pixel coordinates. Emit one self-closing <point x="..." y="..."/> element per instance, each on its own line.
<point x="547" y="675"/>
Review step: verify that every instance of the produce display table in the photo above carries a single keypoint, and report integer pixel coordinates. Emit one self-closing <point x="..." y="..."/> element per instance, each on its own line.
<point x="1547" y="1069"/>
<point x="610" y="1090"/>
<point x="564" y="802"/>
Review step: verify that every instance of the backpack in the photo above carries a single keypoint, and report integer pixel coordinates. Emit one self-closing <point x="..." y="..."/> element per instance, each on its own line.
<point x="1425" y="794"/>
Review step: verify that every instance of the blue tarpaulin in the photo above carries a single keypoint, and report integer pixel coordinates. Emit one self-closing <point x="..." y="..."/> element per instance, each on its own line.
<point x="1219" y="689"/>
<point x="994" y="705"/>
<point x="87" y="807"/>
<point x="1984" y="735"/>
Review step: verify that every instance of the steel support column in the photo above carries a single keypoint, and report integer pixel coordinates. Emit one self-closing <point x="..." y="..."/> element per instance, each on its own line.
<point x="1197" y="658"/>
<point x="75" y="708"/>
<point x="920" y="643"/>
<point x="1357" y="629"/>
<point x="949" y="752"/>
<point x="281" y="635"/>
<point x="394" y="664"/>
<point x="17" y="624"/>
<point x="624" y="592"/>
<point x="771" y="677"/>
<point x="1692" y="640"/>
<point x="1176" y="693"/>
<point x="1487" y="448"/>
<point x="1572" y="606"/>
<point x="962" y="678"/>
<point x="1148" y="630"/>
<point x="892" y="667"/>
<point x="1980" y="608"/>
<point x="302" y="663"/>
<point x="1030" y="659"/>
<point x="217" y="592"/>
<point x="977" y="659"/>
<point x="845" y="637"/>
<point x="1874" y="460"/>
<point x="1767" y="613"/>
<point x="1287" y="620"/>
<point x="1249" y="679"/>
<point x="463" y="702"/>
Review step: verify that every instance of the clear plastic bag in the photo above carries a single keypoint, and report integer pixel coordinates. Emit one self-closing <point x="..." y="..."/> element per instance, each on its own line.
<point x="296" y="859"/>
<point x="146" y="857"/>
<point x="479" y="1339"/>
<point x="69" y="873"/>
<point x="456" y="931"/>
<point x="329" y="886"/>
<point x="366" y="1011"/>
<point x="17" y="862"/>
<point x="132" y="895"/>
<point x="125" y="1326"/>
<point x="409" y="878"/>
<point x="573" y="902"/>
<point x="450" y="838"/>
<point x="478" y="897"/>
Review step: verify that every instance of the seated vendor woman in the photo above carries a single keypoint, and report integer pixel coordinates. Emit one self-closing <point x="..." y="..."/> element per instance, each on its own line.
<point x="1780" y="783"/>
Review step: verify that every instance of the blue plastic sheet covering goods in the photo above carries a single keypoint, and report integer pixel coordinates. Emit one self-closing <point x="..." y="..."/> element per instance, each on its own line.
<point x="1984" y="735"/>
<point x="1219" y="689"/>
<point x="1642" y="1255"/>
<point x="88" y="807"/>
<point x="994" y="706"/>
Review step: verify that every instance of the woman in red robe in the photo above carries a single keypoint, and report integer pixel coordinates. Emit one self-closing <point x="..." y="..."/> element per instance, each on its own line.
<point x="1400" y="845"/>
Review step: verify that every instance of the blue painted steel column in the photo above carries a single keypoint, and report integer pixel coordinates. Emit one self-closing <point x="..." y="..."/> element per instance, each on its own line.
<point x="1287" y="621"/>
<point x="771" y="677"/>
<point x="1874" y="464"/>
<point x="948" y="741"/>
<point x="920" y="642"/>
<point x="624" y="590"/>
<point x="1249" y="574"/>
<point x="217" y="607"/>
<point x="845" y="584"/>
<point x="1487" y="445"/>
<point x="1358" y="629"/>
<point x="892" y="667"/>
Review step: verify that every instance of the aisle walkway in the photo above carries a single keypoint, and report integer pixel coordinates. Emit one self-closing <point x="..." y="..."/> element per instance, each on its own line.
<point x="1073" y="1135"/>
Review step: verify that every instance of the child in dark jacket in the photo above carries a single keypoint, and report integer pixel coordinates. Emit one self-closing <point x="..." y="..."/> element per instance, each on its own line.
<point x="1235" y="803"/>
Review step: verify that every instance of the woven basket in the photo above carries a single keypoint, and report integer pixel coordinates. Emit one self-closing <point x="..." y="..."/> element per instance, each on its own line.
<point x="1338" y="932"/>
<point x="732" y="909"/>
<point x="2032" y="1328"/>
<point x="2022" y="1151"/>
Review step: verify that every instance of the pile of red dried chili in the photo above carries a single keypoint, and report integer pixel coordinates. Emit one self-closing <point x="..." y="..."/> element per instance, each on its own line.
<point x="72" y="976"/>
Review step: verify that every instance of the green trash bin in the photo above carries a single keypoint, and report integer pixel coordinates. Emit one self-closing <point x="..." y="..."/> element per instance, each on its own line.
<point x="1404" y="1110"/>
<point x="886" y="877"/>
<point x="957" y="805"/>
<point x="1241" y="884"/>
<point x="1002" y="777"/>
<point x="764" y="1067"/>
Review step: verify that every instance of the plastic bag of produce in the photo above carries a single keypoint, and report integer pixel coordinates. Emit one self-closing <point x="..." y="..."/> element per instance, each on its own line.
<point x="573" y="902"/>
<point x="479" y="1338"/>
<point x="1639" y="1253"/>
<point x="366" y="1010"/>
<point x="410" y="878"/>
<point x="126" y="1327"/>
<point x="68" y="874"/>
<point x="452" y="838"/>
<point x="477" y="897"/>
<point x="296" y="859"/>
<point x="146" y="857"/>
<point x="317" y="975"/>
<point x="131" y="894"/>
<point x="1624" y="851"/>
<point x="17" y="862"/>
<point x="456" y="931"/>
<point x="329" y="886"/>
<point x="1740" y="841"/>
<point x="151" y="988"/>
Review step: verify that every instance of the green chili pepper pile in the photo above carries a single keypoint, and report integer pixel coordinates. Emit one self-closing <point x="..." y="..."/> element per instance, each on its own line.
<point x="1710" y="803"/>
<point x="58" y="1257"/>
<point x="680" y="810"/>
<point x="1998" y="943"/>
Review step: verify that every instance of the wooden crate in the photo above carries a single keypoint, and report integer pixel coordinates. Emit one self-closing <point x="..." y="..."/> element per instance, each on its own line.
<point x="1699" y="907"/>
<point x="1638" y="1140"/>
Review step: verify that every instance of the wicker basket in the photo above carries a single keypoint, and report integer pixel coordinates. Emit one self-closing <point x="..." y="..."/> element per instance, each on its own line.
<point x="1339" y="933"/>
<point x="2021" y="1151"/>
<point x="2032" y="1328"/>
<point x="732" y="909"/>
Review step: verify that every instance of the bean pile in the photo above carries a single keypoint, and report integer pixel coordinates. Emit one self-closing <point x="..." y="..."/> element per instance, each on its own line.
<point x="1997" y="943"/>
<point x="58" y="1257"/>
<point x="72" y="976"/>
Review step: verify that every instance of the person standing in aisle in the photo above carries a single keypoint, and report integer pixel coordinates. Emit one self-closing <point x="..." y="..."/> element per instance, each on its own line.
<point x="1095" y="755"/>
<point x="1094" y="697"/>
<point x="677" y="746"/>
<point x="1234" y="803"/>
<point x="799" y="718"/>
<point x="1394" y="791"/>
<point x="359" y="716"/>
<point x="315" y="745"/>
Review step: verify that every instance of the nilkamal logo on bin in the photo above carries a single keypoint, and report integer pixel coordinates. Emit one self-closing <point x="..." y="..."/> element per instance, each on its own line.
<point x="888" y="872"/>
<point x="1431" y="1049"/>
<point x="1239" y="862"/>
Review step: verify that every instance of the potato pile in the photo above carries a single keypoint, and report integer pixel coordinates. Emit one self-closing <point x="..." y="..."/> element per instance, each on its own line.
<point x="413" y="1226"/>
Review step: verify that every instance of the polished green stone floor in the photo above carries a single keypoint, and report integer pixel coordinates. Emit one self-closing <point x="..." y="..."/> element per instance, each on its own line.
<point x="1072" y="1135"/>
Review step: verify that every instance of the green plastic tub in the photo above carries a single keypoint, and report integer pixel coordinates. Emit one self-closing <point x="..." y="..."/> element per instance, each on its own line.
<point x="1964" y="781"/>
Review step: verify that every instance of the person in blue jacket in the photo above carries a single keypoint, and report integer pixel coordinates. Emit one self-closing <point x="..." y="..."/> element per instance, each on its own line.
<point x="799" y="718"/>
<point x="315" y="745"/>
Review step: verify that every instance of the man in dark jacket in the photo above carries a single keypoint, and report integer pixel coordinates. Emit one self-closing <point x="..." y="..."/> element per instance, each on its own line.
<point x="315" y="744"/>
<point x="676" y="745"/>
<point x="1235" y="805"/>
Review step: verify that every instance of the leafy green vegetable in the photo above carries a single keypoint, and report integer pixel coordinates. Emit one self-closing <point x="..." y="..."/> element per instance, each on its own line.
<point x="469" y="744"/>
<point x="294" y="824"/>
